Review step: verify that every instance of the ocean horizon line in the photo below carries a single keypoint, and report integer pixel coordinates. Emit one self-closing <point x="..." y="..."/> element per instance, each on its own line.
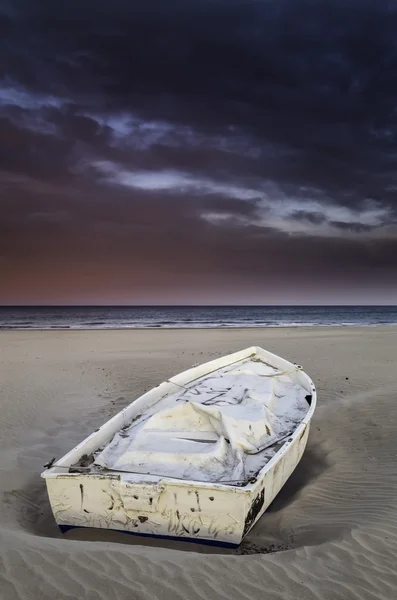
<point x="200" y="306"/>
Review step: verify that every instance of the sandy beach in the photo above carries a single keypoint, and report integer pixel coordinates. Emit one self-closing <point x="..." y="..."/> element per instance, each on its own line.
<point x="331" y="533"/>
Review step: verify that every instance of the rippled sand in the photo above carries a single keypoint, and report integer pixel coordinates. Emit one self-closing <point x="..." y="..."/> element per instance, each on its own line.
<point x="331" y="533"/>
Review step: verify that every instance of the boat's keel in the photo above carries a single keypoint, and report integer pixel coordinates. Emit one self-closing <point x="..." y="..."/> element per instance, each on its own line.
<point x="216" y="543"/>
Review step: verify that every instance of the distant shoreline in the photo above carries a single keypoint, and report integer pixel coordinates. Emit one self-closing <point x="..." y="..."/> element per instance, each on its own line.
<point x="203" y="328"/>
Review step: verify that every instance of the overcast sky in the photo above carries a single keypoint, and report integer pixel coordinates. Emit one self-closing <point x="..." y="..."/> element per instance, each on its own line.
<point x="198" y="151"/>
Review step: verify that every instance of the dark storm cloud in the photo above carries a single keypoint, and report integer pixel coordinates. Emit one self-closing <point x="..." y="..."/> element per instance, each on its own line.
<point x="312" y="217"/>
<point x="316" y="79"/>
<point x="259" y="127"/>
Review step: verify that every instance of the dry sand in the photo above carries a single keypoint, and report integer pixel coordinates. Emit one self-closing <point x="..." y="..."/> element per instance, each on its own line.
<point x="331" y="533"/>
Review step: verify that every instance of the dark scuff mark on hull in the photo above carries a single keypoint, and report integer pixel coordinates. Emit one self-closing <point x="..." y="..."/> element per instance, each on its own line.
<point x="255" y="509"/>
<point x="198" y="500"/>
<point x="111" y="499"/>
<point x="82" y="495"/>
<point x="142" y="519"/>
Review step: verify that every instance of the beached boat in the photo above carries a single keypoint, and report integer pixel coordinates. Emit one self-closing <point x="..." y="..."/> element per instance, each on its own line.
<point x="199" y="457"/>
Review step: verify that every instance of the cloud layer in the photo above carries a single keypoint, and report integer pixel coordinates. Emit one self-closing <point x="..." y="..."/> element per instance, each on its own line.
<point x="198" y="151"/>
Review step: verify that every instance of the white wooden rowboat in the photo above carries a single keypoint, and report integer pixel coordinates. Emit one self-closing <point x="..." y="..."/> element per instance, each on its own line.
<point x="199" y="457"/>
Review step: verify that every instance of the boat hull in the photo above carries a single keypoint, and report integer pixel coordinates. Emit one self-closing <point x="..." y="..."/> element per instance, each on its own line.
<point x="164" y="506"/>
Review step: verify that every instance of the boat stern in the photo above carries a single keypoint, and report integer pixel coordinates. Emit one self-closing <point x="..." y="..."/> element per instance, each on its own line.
<point x="192" y="511"/>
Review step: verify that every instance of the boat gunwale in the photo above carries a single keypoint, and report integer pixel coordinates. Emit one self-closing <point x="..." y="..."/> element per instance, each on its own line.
<point x="147" y="479"/>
